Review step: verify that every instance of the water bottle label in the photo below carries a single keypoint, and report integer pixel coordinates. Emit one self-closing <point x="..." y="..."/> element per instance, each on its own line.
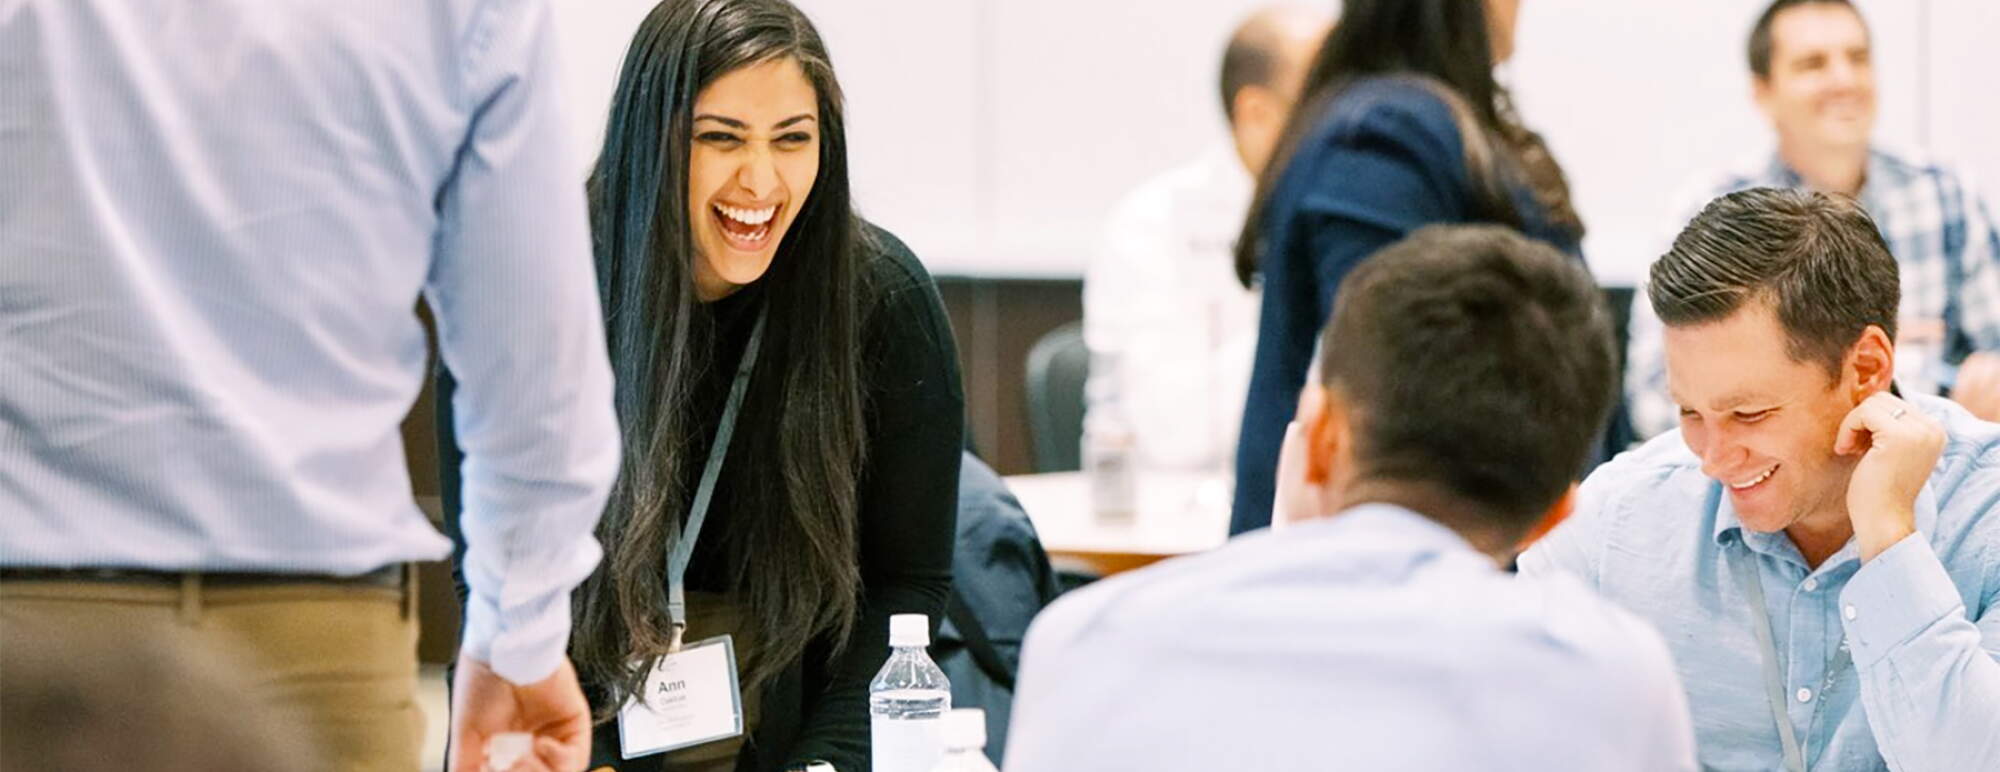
<point x="905" y="745"/>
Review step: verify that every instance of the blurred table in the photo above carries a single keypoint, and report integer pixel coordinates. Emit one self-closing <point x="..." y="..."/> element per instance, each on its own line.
<point x="1177" y="514"/>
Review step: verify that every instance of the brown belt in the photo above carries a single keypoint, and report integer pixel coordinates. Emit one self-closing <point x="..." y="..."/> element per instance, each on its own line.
<point x="391" y="576"/>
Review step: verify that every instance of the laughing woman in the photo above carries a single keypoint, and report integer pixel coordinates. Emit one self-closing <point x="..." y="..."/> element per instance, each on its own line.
<point x="788" y="390"/>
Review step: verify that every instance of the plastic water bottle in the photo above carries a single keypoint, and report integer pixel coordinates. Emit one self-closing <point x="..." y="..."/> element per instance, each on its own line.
<point x="1109" y="446"/>
<point x="964" y="742"/>
<point x="907" y="701"/>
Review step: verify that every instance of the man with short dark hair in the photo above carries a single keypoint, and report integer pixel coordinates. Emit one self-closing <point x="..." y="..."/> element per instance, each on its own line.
<point x="1170" y="330"/>
<point x="1813" y="78"/>
<point x="1379" y="631"/>
<point x="1815" y="543"/>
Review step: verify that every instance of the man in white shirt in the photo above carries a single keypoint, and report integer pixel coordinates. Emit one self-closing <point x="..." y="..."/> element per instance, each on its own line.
<point x="216" y="219"/>
<point x="1377" y="629"/>
<point x="1170" y="329"/>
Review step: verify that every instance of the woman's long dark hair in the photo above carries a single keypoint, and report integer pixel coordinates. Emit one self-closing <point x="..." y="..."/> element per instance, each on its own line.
<point x="1445" y="46"/>
<point x="794" y="513"/>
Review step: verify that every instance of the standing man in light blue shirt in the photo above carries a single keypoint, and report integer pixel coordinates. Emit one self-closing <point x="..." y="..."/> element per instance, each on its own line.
<point x="1818" y="550"/>
<point x="216" y="219"/>
<point x="1474" y="369"/>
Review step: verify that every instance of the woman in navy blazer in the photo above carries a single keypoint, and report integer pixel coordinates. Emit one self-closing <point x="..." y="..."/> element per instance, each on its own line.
<point x="1402" y="125"/>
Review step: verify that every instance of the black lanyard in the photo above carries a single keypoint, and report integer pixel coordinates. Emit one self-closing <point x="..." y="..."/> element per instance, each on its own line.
<point x="683" y="551"/>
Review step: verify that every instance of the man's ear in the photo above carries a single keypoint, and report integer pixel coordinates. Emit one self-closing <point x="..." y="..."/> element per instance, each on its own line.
<point x="1760" y="94"/>
<point x="1252" y="102"/>
<point x="1557" y="513"/>
<point x="1323" y="421"/>
<point x="1872" y="363"/>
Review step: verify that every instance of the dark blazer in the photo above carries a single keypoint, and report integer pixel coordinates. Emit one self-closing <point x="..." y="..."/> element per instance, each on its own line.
<point x="1384" y="160"/>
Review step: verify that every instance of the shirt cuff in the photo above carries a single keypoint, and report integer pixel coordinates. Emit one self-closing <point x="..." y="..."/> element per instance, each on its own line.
<point x="1894" y="597"/>
<point x="524" y="645"/>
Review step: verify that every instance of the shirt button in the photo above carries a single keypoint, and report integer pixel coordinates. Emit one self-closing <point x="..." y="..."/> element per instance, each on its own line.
<point x="1812" y="583"/>
<point x="1850" y="612"/>
<point x="1805" y="695"/>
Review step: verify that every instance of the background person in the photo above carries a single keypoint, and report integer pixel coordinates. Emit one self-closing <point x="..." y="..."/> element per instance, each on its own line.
<point x="1813" y="76"/>
<point x="1402" y="125"/>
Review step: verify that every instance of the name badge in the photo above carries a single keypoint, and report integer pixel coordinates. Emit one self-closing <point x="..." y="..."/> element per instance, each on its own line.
<point x="690" y="698"/>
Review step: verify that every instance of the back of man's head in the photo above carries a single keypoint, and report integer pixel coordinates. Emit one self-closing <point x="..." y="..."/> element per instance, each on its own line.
<point x="1476" y="362"/>
<point x="1262" y="71"/>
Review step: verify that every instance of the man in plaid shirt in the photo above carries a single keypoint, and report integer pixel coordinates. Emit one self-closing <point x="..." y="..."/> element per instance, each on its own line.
<point x="1814" y="80"/>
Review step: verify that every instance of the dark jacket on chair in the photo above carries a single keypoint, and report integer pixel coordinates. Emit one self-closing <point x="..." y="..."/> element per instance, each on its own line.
<point x="1000" y="578"/>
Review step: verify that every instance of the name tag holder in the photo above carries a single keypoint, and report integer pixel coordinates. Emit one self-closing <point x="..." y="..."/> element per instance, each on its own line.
<point x="692" y="696"/>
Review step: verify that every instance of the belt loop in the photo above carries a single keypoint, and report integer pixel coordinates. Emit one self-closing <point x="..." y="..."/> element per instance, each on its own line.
<point x="409" y="590"/>
<point x="190" y="598"/>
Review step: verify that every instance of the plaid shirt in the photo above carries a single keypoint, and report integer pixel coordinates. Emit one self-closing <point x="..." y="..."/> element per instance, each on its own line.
<point x="1944" y="240"/>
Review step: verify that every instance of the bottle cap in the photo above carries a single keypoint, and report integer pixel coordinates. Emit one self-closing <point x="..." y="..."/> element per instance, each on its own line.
<point x="964" y="729"/>
<point x="909" y="630"/>
<point x="503" y="750"/>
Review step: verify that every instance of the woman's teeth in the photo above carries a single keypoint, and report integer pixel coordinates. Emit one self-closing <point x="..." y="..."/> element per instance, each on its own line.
<point x="748" y="216"/>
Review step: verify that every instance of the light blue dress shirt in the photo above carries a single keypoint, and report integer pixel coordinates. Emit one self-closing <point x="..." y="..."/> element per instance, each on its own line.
<point x="1653" y="534"/>
<point x="215" y="221"/>
<point x="1374" y="640"/>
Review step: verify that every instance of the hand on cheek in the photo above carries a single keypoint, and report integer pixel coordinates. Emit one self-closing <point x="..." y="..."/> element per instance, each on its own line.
<point x="1898" y="446"/>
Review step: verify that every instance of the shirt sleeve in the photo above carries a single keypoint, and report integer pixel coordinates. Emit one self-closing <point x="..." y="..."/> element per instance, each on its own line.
<point x="1930" y="682"/>
<point x="908" y="507"/>
<point x="514" y="291"/>
<point x="1052" y="654"/>
<point x="1576" y="545"/>
<point x="1978" y="294"/>
<point x="1141" y="312"/>
<point x="1393" y="169"/>
<point x="1653" y="410"/>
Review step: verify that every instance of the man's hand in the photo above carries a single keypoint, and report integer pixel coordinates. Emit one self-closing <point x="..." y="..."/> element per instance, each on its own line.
<point x="1899" y="446"/>
<point x="553" y="710"/>
<point x="1978" y="386"/>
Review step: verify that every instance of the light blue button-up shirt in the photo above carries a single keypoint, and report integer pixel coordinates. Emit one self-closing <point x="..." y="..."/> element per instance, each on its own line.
<point x="215" y="221"/>
<point x="1374" y="640"/>
<point x="1653" y="534"/>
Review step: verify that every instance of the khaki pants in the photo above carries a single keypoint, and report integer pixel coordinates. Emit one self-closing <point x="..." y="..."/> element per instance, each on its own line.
<point x="338" y="661"/>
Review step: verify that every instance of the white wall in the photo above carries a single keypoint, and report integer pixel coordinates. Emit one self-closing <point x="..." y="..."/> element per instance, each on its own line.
<point x="993" y="135"/>
<point x="1964" y="125"/>
<point x="1634" y="98"/>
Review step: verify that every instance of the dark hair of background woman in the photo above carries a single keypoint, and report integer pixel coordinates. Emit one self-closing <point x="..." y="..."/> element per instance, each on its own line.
<point x="1444" y="46"/>
<point x="791" y="545"/>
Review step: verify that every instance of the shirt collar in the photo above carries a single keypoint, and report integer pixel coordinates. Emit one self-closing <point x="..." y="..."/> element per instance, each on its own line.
<point x="1391" y="524"/>
<point x="1778" y="174"/>
<point x="1223" y="170"/>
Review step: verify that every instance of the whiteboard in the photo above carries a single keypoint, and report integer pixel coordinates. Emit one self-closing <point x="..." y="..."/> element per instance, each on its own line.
<point x="995" y="135"/>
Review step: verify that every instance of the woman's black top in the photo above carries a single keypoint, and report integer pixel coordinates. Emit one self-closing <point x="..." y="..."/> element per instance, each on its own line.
<point x="817" y="708"/>
<point x="914" y="408"/>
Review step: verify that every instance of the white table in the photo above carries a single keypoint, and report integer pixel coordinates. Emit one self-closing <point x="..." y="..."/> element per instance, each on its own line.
<point x="1177" y="514"/>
